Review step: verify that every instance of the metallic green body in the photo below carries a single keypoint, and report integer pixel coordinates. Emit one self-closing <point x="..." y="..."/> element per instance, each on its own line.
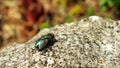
<point x="40" y="43"/>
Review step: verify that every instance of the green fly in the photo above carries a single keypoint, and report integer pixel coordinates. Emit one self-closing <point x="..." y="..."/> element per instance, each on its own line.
<point x="45" y="41"/>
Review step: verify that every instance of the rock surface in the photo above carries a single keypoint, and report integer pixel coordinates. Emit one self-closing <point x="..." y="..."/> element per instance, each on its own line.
<point x="90" y="42"/>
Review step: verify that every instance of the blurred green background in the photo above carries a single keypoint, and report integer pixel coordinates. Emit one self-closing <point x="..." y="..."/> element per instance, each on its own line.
<point x="22" y="19"/>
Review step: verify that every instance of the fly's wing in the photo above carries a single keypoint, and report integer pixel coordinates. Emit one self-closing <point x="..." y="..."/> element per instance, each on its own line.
<point x="43" y="44"/>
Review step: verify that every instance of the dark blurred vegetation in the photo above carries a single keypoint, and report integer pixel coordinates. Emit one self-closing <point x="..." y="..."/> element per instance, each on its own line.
<point x="22" y="19"/>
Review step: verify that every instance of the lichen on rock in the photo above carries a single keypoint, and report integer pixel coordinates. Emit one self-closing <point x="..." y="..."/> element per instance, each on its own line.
<point x="90" y="42"/>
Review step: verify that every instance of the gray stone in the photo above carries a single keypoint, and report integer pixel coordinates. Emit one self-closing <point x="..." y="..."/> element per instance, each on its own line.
<point x="90" y="42"/>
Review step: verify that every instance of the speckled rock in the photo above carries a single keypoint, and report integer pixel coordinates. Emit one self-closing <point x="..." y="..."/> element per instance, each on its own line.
<point x="90" y="42"/>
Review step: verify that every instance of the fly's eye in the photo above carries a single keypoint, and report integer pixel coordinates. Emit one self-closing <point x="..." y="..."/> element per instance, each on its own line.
<point x="52" y="35"/>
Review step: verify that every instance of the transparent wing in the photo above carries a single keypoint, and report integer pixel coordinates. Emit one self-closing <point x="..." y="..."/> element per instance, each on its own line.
<point x="43" y="44"/>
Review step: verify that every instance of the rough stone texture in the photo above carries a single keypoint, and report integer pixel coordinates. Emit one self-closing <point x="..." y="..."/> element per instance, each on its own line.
<point x="90" y="42"/>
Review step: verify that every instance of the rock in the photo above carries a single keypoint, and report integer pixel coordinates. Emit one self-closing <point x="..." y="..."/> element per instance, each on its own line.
<point x="90" y="42"/>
